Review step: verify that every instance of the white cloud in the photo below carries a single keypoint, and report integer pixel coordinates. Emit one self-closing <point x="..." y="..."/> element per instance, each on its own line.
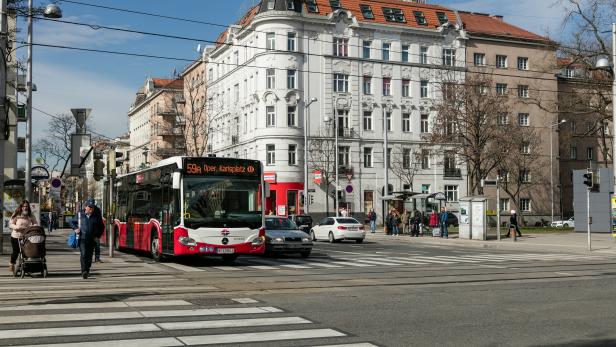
<point x="61" y="88"/>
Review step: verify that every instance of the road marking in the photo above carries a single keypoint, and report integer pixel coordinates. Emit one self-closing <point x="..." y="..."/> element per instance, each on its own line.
<point x="262" y="267"/>
<point x="431" y="260"/>
<point x="564" y="273"/>
<point x="350" y="345"/>
<point x="375" y="262"/>
<point x="227" y="268"/>
<point x="233" y="323"/>
<point x="111" y="304"/>
<point x="157" y="342"/>
<point x="295" y="266"/>
<point x="457" y="259"/>
<point x="71" y="317"/>
<point x="260" y="337"/>
<point x="245" y="300"/>
<point x="348" y="263"/>
<point x="78" y="330"/>
<point x="210" y="312"/>
<point x="183" y="267"/>
<point x="327" y="265"/>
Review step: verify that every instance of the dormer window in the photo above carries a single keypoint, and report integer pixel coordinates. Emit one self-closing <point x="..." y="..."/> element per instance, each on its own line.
<point x="312" y="6"/>
<point x="291" y="5"/>
<point x="393" y="15"/>
<point x="271" y="4"/>
<point x="442" y="17"/>
<point x="569" y="73"/>
<point x="420" y="18"/>
<point x="335" y="4"/>
<point x="366" y="11"/>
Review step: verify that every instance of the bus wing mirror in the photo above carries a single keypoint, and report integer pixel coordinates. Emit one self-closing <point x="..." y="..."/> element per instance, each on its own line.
<point x="176" y="180"/>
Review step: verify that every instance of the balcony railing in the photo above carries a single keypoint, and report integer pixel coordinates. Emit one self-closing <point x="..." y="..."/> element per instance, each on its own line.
<point x="165" y="111"/>
<point x="450" y="172"/>
<point x="167" y="131"/>
<point x="346" y="132"/>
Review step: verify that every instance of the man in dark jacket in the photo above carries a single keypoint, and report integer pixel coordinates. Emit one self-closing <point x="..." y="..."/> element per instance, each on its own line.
<point x="90" y="229"/>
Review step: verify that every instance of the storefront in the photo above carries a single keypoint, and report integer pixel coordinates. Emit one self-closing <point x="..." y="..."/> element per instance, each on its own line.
<point x="284" y="197"/>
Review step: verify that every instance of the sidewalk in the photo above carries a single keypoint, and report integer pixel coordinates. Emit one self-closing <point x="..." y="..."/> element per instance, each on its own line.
<point x="601" y="243"/>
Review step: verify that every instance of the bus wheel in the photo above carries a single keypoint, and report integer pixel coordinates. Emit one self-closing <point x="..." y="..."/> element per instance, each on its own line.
<point x="154" y="247"/>
<point x="229" y="258"/>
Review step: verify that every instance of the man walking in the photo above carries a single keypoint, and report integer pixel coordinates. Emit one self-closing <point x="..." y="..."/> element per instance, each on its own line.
<point x="372" y="217"/>
<point x="442" y="218"/>
<point x="405" y="221"/>
<point x="90" y="230"/>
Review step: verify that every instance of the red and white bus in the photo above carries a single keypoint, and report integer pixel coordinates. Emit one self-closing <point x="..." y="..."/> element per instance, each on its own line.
<point x="192" y="206"/>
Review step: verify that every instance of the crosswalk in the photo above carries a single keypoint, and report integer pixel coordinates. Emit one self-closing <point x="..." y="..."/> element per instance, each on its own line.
<point x="161" y="323"/>
<point x="358" y="260"/>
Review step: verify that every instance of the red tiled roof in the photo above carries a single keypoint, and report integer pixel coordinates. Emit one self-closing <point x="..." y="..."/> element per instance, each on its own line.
<point x="166" y="83"/>
<point x="483" y="24"/>
<point x="243" y="22"/>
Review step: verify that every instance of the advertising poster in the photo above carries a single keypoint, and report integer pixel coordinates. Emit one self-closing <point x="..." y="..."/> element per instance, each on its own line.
<point x="613" y="214"/>
<point x="13" y="195"/>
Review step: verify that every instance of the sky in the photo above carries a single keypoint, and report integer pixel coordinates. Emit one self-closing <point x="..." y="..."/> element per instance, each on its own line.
<point x="107" y="83"/>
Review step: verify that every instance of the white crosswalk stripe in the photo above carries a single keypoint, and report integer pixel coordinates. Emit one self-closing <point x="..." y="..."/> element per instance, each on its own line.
<point x="179" y="323"/>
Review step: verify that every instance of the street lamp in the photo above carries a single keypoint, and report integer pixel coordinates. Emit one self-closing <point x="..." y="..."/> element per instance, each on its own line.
<point x="604" y="63"/>
<point x="145" y="156"/>
<point x="330" y="120"/>
<point x="51" y="11"/>
<point x="552" y="164"/>
<point x="313" y="100"/>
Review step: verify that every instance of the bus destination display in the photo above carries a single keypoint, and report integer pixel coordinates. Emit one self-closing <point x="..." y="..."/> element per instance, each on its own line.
<point x="202" y="166"/>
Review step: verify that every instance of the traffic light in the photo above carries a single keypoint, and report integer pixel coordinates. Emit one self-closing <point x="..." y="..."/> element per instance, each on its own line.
<point x="311" y="200"/>
<point x="588" y="179"/>
<point x="99" y="166"/>
<point x="114" y="159"/>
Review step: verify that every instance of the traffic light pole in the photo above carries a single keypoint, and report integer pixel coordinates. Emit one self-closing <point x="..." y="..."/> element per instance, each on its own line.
<point x="111" y="238"/>
<point x="588" y="221"/>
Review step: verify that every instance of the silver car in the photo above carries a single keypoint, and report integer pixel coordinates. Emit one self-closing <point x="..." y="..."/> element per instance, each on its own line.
<point x="283" y="236"/>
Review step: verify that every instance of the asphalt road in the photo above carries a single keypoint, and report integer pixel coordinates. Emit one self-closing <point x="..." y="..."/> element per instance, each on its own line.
<point x="390" y="292"/>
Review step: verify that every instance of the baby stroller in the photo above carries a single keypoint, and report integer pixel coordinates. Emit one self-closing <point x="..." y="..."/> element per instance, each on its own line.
<point x="31" y="253"/>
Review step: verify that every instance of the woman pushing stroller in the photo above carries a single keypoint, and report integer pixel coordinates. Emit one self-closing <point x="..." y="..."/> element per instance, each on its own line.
<point x="21" y="219"/>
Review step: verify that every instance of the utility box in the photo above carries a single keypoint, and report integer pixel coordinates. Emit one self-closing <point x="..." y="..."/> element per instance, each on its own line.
<point x="473" y="220"/>
<point x="465" y="219"/>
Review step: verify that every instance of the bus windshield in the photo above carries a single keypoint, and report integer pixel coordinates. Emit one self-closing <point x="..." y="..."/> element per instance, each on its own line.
<point x="221" y="202"/>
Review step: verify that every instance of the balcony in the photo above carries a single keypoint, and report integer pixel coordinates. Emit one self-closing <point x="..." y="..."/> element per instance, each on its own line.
<point x="168" y="152"/>
<point x="165" y="111"/>
<point x="167" y="131"/>
<point x="346" y="132"/>
<point x="452" y="172"/>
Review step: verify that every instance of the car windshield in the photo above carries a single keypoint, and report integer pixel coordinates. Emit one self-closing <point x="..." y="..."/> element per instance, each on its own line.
<point x="347" y="221"/>
<point x="304" y="220"/>
<point x="221" y="202"/>
<point x="279" y="224"/>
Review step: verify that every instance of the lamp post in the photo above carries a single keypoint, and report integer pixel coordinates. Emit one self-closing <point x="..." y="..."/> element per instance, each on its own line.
<point x="306" y="108"/>
<point x="54" y="12"/>
<point x="552" y="164"/>
<point x="604" y="63"/>
<point x="335" y="122"/>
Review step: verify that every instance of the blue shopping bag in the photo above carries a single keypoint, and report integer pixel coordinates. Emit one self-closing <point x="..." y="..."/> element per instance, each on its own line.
<point x="73" y="240"/>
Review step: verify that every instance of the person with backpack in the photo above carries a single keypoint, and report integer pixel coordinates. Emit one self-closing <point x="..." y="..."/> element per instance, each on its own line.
<point x="90" y="230"/>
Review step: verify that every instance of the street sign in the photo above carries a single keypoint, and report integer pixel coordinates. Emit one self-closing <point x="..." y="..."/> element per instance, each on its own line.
<point x="318" y="177"/>
<point x="488" y="183"/>
<point x="56" y="183"/>
<point x="349" y="189"/>
<point x="312" y="190"/>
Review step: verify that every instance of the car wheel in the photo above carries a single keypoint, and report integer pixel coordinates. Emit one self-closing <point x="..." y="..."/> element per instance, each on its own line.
<point x="305" y="254"/>
<point x="359" y="240"/>
<point x="331" y="237"/>
<point x="312" y="235"/>
<point x="565" y="225"/>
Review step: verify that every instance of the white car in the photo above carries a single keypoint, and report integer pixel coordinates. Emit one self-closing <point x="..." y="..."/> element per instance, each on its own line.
<point x="563" y="223"/>
<point x="335" y="229"/>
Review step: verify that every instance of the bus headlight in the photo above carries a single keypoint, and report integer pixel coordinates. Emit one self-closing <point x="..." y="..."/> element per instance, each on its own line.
<point x="258" y="240"/>
<point x="187" y="241"/>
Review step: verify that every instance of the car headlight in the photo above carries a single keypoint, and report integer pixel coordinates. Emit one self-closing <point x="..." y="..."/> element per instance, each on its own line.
<point x="306" y="240"/>
<point x="277" y="240"/>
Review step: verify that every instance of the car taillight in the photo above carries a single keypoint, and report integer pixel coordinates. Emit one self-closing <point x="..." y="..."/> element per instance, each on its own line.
<point x="342" y="227"/>
<point x="361" y="227"/>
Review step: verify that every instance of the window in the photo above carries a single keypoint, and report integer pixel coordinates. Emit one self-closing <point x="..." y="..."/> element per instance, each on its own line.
<point x="291" y="5"/>
<point x="393" y="15"/>
<point x="341" y="47"/>
<point x="388" y="120"/>
<point x="423" y="55"/>
<point x="479" y="59"/>
<point x="424" y="124"/>
<point x="502" y="119"/>
<point x="386" y="48"/>
<point x="386" y="86"/>
<point x="236" y="92"/>
<point x="523" y="119"/>
<point x="590" y="151"/>
<point x="504" y="204"/>
<point x="405" y="53"/>
<point x="270" y="4"/>
<point x="501" y="88"/>
<point x="522" y="63"/>
<point x="366" y="11"/>
<point x="366" y="49"/>
<point x="525" y="148"/>
<point x="423" y="89"/>
<point x="270" y="154"/>
<point x="442" y="17"/>
<point x="312" y="6"/>
<point x="335" y="4"/>
<point x="523" y="91"/>
<point x="425" y="159"/>
<point x="569" y="73"/>
<point x="451" y="192"/>
<point x="270" y="41"/>
<point x="367" y="120"/>
<point x="525" y="205"/>
<point x="368" y="200"/>
<point x="525" y="176"/>
<point x="291" y="116"/>
<point x="291" y="79"/>
<point x="573" y="127"/>
<point x="425" y="189"/>
<point x="292" y="154"/>
<point x="388" y="157"/>
<point x="291" y="41"/>
<point x="270" y="116"/>
<point x="270" y="78"/>
<point x="210" y="74"/>
<point x="343" y="156"/>
<point x="501" y="61"/>
<point x="573" y="152"/>
<point x="367" y="86"/>
<point x="449" y="57"/>
<point x="589" y="127"/>
<point x="406" y="122"/>
<point x="367" y="156"/>
<point x="406" y="158"/>
<point x="420" y="18"/>
<point x="406" y="88"/>
<point x="341" y="83"/>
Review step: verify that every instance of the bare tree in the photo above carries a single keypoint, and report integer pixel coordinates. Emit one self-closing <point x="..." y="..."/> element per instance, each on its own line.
<point x="405" y="163"/>
<point x="467" y="126"/>
<point x="322" y="157"/>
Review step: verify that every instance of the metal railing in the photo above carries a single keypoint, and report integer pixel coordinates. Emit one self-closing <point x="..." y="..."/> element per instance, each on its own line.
<point x="452" y="172"/>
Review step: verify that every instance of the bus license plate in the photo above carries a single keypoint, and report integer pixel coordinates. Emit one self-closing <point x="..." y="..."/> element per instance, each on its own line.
<point x="225" y="250"/>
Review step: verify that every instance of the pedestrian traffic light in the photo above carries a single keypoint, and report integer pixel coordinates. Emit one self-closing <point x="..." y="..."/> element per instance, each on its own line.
<point x="99" y="166"/>
<point x="588" y="179"/>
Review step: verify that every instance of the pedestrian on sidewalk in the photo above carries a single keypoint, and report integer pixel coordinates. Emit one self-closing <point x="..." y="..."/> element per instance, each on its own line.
<point x="405" y="221"/>
<point x="21" y="219"/>
<point x="395" y="224"/>
<point x="50" y="222"/>
<point x="443" y="222"/>
<point x="372" y="218"/>
<point x="416" y="223"/>
<point x="90" y="230"/>
<point x="513" y="224"/>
